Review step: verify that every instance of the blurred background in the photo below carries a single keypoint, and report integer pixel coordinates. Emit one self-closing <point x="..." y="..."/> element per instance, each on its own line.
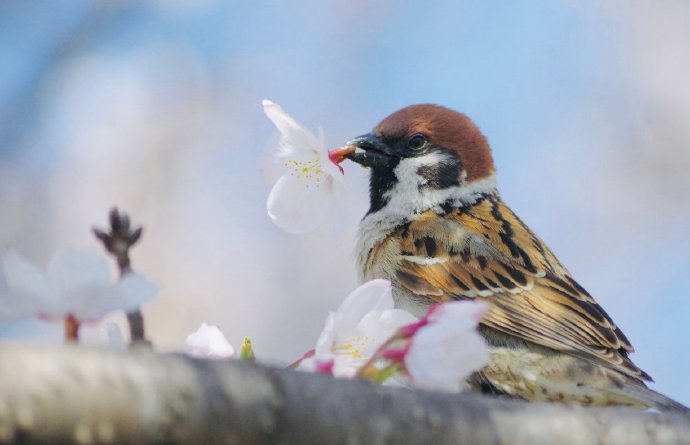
<point x="156" y="107"/>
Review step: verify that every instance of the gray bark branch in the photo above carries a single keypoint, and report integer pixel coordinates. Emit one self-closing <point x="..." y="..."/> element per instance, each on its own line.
<point x="78" y="395"/>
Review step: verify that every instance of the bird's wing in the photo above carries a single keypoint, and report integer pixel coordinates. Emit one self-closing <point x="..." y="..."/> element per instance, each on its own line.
<point x="486" y="252"/>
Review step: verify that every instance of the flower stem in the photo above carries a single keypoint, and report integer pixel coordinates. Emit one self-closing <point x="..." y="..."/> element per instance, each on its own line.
<point x="71" y="329"/>
<point x="379" y="375"/>
<point x="309" y="354"/>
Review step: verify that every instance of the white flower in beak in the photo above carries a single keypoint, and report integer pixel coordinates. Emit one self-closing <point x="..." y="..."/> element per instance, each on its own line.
<point x="310" y="191"/>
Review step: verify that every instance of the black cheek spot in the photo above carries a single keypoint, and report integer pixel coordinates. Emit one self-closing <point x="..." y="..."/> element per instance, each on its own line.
<point x="441" y="176"/>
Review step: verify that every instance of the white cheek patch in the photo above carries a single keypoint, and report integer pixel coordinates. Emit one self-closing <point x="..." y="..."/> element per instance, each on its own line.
<point x="409" y="196"/>
<point x="407" y="169"/>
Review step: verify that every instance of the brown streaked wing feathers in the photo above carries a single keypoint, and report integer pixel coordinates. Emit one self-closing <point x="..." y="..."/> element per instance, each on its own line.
<point x="530" y="294"/>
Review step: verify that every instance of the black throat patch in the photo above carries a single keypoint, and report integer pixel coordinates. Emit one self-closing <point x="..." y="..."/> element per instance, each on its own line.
<point x="382" y="179"/>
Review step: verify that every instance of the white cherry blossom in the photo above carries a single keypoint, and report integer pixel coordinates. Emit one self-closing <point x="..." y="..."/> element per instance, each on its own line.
<point x="457" y="311"/>
<point x="356" y="330"/>
<point x="76" y="284"/>
<point x="208" y="342"/>
<point x="444" y="351"/>
<point x="103" y="334"/>
<point x="310" y="188"/>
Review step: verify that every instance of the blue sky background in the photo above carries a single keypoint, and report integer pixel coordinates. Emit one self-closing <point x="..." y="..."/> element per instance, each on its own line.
<point x="155" y="107"/>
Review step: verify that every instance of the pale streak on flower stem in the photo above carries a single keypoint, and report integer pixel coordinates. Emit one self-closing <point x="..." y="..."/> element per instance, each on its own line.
<point x="117" y="241"/>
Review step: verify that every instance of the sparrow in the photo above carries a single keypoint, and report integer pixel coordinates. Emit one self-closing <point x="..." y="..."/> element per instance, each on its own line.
<point x="438" y="229"/>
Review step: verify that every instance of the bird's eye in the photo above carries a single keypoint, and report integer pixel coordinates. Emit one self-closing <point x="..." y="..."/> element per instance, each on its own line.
<point x="416" y="142"/>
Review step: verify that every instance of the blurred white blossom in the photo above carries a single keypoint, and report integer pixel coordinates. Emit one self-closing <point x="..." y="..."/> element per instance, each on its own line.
<point x="208" y="342"/>
<point x="12" y="305"/>
<point x="102" y="335"/>
<point x="357" y="329"/>
<point x="310" y="188"/>
<point x="75" y="283"/>
<point x="446" y="348"/>
<point x="456" y="311"/>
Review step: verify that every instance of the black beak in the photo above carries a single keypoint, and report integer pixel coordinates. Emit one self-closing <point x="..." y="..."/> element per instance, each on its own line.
<point x="373" y="152"/>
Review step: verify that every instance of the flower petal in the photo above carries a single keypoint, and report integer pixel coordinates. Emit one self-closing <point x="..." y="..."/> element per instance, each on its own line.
<point x="16" y="305"/>
<point x="92" y="302"/>
<point x="296" y="141"/>
<point x="208" y="342"/>
<point x="329" y="167"/>
<point x="307" y="365"/>
<point x="345" y="366"/>
<point x="442" y="355"/>
<point x="455" y="310"/>
<point x="326" y="338"/>
<point x="102" y="335"/>
<point x="393" y="319"/>
<point x="374" y="295"/>
<point x="338" y="211"/>
<point x="135" y="290"/>
<point x="296" y="208"/>
<point x="28" y="289"/>
<point x="72" y="269"/>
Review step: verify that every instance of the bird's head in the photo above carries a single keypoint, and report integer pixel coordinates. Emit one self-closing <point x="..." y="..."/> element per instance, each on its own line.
<point x="422" y="157"/>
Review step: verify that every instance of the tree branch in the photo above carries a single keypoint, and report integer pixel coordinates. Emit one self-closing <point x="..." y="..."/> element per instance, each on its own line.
<point x="79" y="395"/>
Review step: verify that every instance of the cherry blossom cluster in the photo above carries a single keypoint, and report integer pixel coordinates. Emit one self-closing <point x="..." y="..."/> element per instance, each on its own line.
<point x="367" y="337"/>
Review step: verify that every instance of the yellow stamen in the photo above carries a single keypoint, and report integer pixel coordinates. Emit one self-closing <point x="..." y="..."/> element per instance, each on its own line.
<point x="305" y="170"/>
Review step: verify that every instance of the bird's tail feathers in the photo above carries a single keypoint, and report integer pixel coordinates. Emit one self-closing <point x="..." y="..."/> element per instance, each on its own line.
<point x="646" y="397"/>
